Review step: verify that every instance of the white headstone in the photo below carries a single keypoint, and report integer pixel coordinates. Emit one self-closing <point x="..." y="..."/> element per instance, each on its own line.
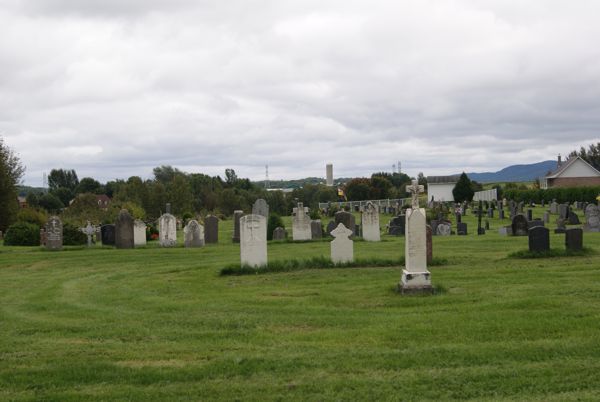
<point x="253" y="240"/>
<point x="167" y="230"/>
<point x="370" y="223"/>
<point x="415" y="275"/>
<point x="301" y="223"/>
<point x="193" y="234"/>
<point x="139" y="233"/>
<point x="342" y="248"/>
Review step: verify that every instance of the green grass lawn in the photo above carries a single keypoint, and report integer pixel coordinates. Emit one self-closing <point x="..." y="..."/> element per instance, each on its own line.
<point x="161" y="324"/>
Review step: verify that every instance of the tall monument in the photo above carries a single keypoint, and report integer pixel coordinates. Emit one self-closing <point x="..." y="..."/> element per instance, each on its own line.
<point x="329" y="174"/>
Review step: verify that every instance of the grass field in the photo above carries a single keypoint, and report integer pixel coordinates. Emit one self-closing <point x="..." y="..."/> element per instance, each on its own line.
<point x="161" y="324"/>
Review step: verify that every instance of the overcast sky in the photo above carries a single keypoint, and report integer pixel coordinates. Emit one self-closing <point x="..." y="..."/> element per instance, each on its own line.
<point x="113" y="88"/>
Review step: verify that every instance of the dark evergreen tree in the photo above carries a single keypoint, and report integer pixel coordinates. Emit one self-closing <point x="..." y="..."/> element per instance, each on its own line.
<point x="463" y="190"/>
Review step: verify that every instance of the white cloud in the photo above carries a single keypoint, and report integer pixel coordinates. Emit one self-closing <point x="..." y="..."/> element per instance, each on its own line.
<point x="114" y="88"/>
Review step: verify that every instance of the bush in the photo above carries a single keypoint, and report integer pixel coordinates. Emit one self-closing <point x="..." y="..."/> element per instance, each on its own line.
<point x="22" y="234"/>
<point x="561" y="194"/>
<point x="73" y="236"/>
<point x="314" y="214"/>
<point x="31" y="215"/>
<point x="274" y="222"/>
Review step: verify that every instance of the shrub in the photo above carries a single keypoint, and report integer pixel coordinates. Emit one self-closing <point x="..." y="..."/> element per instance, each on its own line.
<point x="22" y="234"/>
<point x="31" y="215"/>
<point x="73" y="236"/>
<point x="274" y="222"/>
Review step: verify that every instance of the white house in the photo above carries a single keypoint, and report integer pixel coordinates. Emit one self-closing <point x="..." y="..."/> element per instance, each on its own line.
<point x="574" y="172"/>
<point x="439" y="188"/>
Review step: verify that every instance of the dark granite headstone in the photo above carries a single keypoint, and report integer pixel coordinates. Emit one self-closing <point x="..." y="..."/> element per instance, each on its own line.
<point x="529" y="214"/>
<point x="108" y="235"/>
<point x="534" y="223"/>
<point x="124" y="230"/>
<point x="316" y="229"/>
<point x="237" y="215"/>
<point x="279" y="233"/>
<point x="211" y="229"/>
<point x="397" y="225"/>
<point x="331" y="226"/>
<point x="347" y="219"/>
<point x="54" y="234"/>
<point x="458" y="218"/>
<point x="461" y="229"/>
<point x="501" y="214"/>
<point x="539" y="239"/>
<point x="574" y="239"/>
<point x="357" y="232"/>
<point x="519" y="225"/>
<point x="573" y="218"/>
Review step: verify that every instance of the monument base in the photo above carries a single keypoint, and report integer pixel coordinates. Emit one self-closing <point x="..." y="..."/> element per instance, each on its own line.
<point x="415" y="282"/>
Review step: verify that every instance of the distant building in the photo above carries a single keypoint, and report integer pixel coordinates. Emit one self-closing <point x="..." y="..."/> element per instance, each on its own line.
<point x="22" y="201"/>
<point x="103" y="201"/>
<point x="574" y="172"/>
<point x="440" y="187"/>
<point x="329" y="174"/>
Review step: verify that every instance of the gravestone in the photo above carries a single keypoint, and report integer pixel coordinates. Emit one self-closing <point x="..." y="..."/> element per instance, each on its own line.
<point x="357" y="230"/>
<point x="444" y="229"/>
<point x="316" y="229"/>
<point x="89" y="230"/>
<point x="415" y="276"/>
<point x="429" y="244"/>
<point x="370" y="223"/>
<point x="490" y="213"/>
<point x="253" y="240"/>
<point x="574" y="239"/>
<point x="480" y="229"/>
<point x="342" y="248"/>
<point x="211" y="230"/>
<point x="554" y="207"/>
<point x="108" y="235"/>
<point x="397" y="225"/>
<point x="237" y="215"/>
<point x="139" y="233"/>
<point x="534" y="223"/>
<point x="505" y="230"/>
<point x="301" y="223"/>
<point x="261" y="207"/>
<point x="539" y="239"/>
<point x="346" y="218"/>
<point x="573" y="218"/>
<point x="519" y="225"/>
<point x="546" y="218"/>
<point x="560" y="226"/>
<point x="520" y="206"/>
<point x="461" y="229"/>
<point x="458" y="217"/>
<point x="592" y="218"/>
<point x="330" y="227"/>
<point x="487" y="225"/>
<point x="563" y="211"/>
<point x="124" y="230"/>
<point x="501" y="214"/>
<point x="434" y="224"/>
<point x="54" y="234"/>
<point x="279" y="233"/>
<point x="529" y="215"/>
<point x="193" y="234"/>
<point x="167" y="230"/>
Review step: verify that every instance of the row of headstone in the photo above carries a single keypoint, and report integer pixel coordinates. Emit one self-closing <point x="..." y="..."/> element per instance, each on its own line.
<point x="539" y="239"/>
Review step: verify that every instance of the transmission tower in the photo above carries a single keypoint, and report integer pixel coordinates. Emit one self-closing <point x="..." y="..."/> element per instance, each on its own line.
<point x="267" y="184"/>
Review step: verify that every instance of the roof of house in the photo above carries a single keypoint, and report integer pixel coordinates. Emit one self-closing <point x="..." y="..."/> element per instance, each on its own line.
<point x="564" y="166"/>
<point x="443" y="179"/>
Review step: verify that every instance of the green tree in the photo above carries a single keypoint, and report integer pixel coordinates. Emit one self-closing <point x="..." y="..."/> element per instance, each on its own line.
<point x="463" y="190"/>
<point x="358" y="189"/>
<point x="11" y="172"/>
<point x="230" y="177"/>
<point x="380" y="187"/>
<point x="62" y="178"/>
<point x="180" y="195"/>
<point x="591" y="155"/>
<point x="165" y="173"/>
<point x="89" y="185"/>
<point x="50" y="203"/>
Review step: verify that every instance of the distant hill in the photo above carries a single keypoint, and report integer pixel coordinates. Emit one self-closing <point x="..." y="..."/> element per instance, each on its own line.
<point x="515" y="173"/>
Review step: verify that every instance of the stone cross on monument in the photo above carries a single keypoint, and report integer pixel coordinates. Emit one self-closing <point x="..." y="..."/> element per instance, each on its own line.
<point x="415" y="189"/>
<point x="89" y="231"/>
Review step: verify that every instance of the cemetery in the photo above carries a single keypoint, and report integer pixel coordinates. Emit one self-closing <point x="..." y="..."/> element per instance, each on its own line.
<point x="213" y="307"/>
